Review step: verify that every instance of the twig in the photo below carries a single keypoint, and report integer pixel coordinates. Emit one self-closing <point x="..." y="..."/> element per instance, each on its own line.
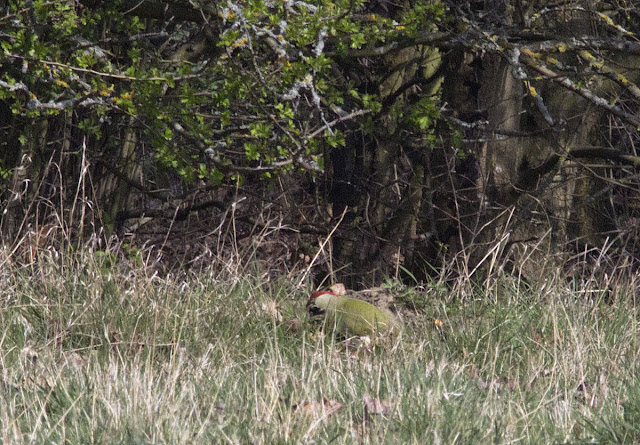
<point x="306" y="272"/>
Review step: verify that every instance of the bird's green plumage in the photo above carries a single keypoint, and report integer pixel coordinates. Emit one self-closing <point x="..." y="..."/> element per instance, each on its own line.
<point x="352" y="316"/>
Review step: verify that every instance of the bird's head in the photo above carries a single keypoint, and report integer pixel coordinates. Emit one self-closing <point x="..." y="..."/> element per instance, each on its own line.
<point x="318" y="301"/>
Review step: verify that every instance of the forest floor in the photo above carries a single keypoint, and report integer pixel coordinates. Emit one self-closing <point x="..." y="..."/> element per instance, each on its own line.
<point x="94" y="351"/>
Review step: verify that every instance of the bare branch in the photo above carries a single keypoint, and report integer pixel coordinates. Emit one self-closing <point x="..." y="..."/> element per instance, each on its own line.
<point x="608" y="154"/>
<point x="584" y="92"/>
<point x="584" y="43"/>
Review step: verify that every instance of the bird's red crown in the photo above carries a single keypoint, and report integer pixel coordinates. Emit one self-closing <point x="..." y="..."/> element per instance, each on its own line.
<point x="318" y="293"/>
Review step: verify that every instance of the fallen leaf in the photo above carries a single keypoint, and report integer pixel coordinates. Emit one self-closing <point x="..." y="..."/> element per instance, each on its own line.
<point x="374" y="406"/>
<point x="293" y="325"/>
<point x="398" y="257"/>
<point x="338" y="288"/>
<point x="313" y="408"/>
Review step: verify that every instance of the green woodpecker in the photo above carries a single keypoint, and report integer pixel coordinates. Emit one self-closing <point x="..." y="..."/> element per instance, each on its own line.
<point x="350" y="315"/>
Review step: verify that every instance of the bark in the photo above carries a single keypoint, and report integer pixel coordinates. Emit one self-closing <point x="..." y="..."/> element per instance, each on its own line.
<point x="114" y="189"/>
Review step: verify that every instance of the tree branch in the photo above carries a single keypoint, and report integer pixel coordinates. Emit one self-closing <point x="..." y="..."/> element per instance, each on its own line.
<point x="610" y="154"/>
<point x="528" y="60"/>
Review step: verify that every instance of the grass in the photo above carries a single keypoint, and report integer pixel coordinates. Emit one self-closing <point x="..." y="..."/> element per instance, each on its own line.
<point x="93" y="352"/>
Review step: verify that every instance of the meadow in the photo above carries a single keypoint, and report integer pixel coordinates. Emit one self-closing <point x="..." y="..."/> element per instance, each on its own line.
<point x="99" y="351"/>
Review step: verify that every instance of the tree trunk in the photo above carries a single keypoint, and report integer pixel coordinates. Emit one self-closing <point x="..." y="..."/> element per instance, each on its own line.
<point x="380" y="176"/>
<point x="26" y="180"/>
<point x="114" y="188"/>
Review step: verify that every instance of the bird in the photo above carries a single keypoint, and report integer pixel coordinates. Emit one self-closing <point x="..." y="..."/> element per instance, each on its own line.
<point x="351" y="316"/>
